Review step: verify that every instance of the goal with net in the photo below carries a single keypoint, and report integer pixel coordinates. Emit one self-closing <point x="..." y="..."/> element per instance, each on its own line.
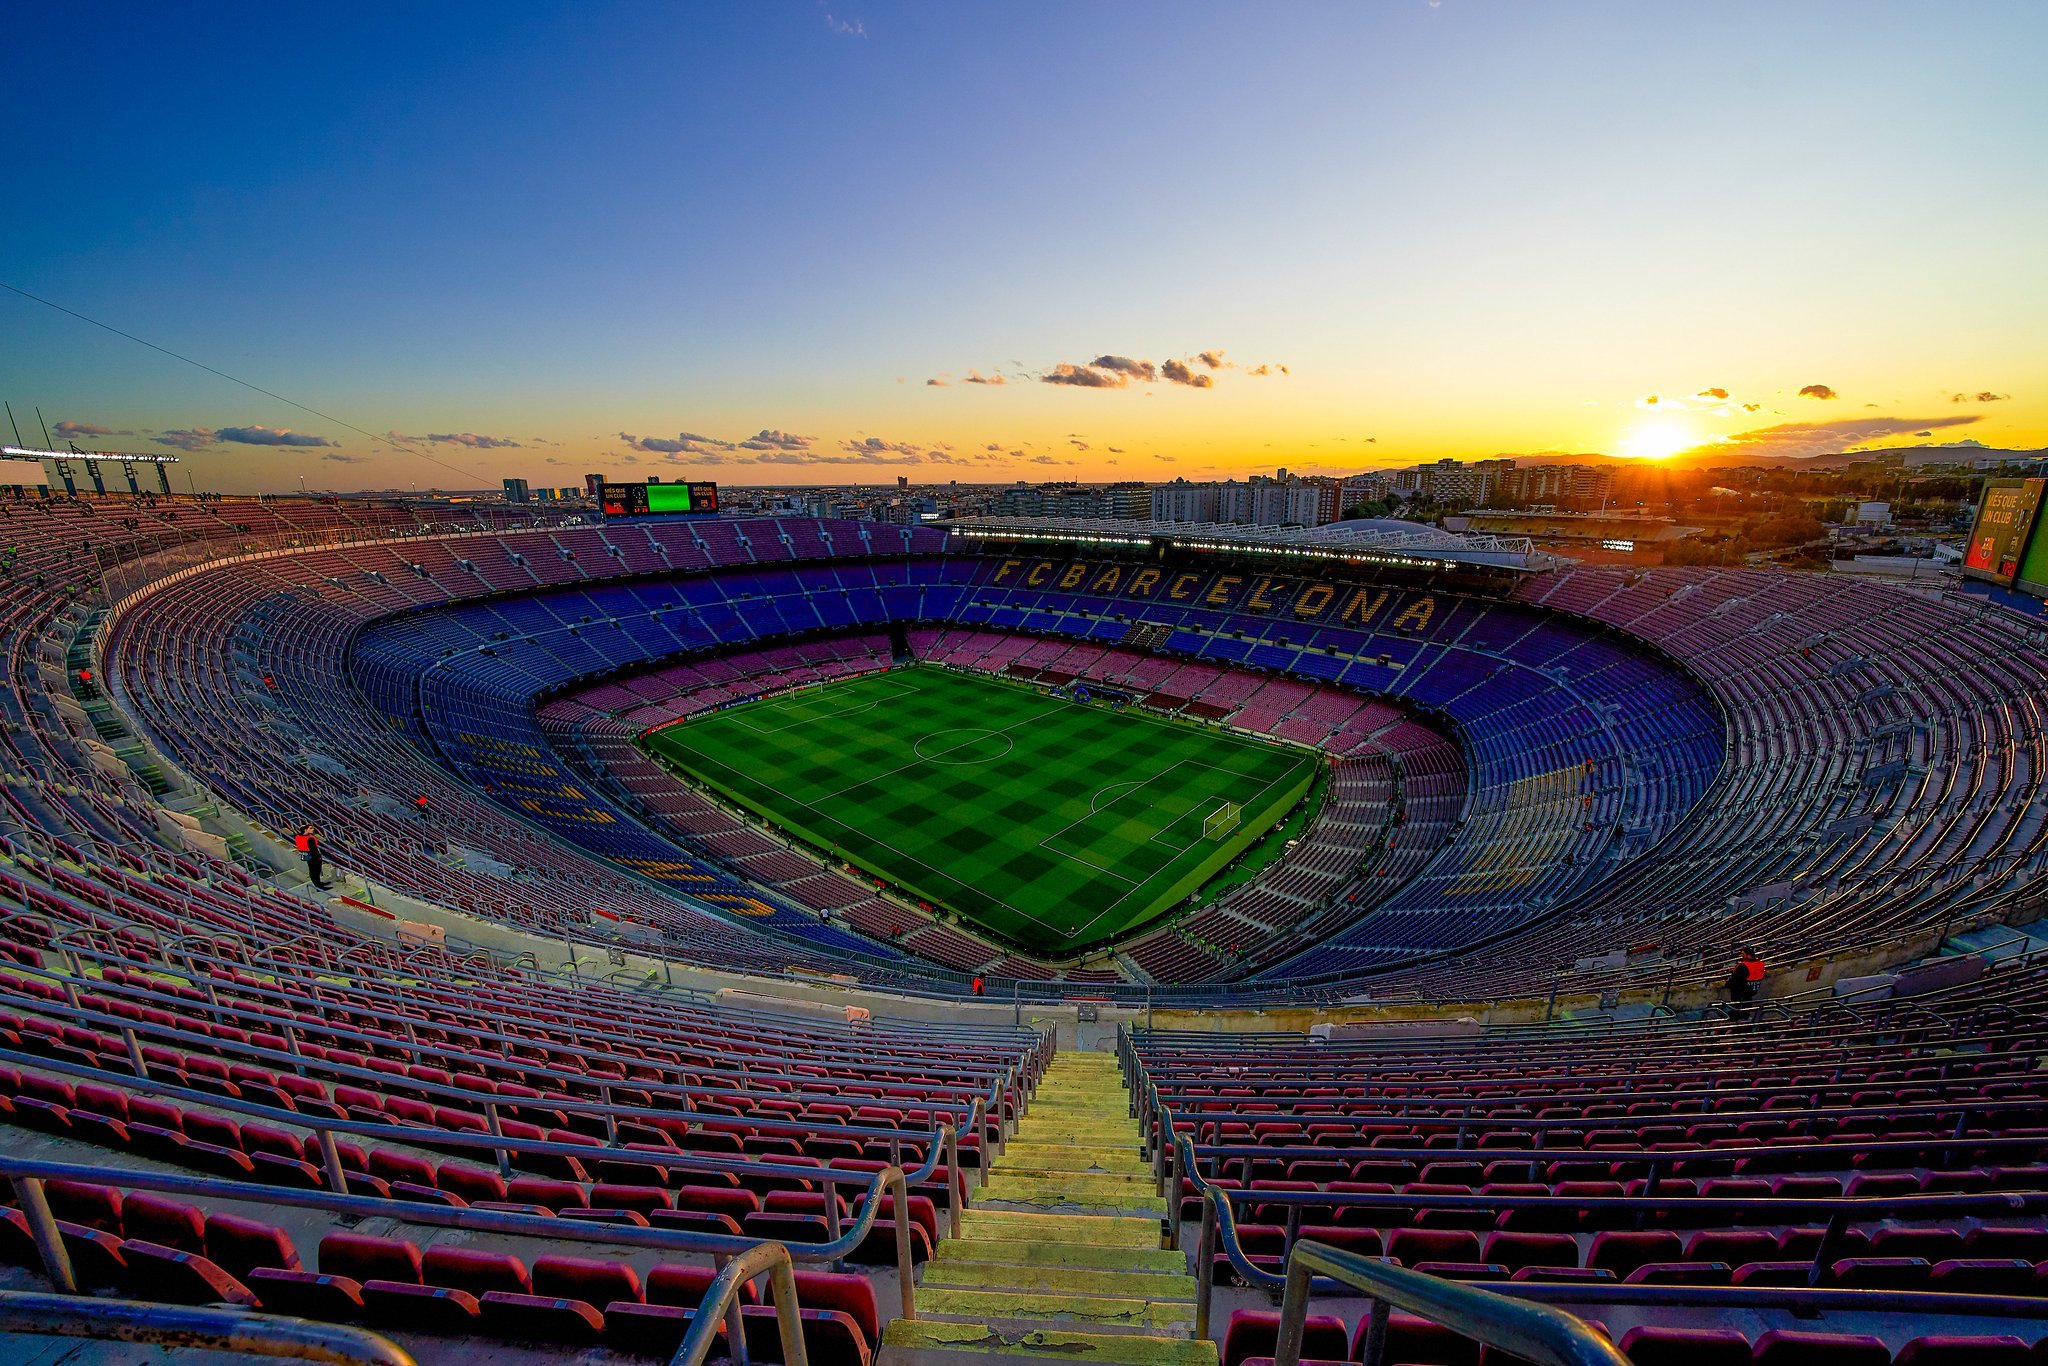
<point x="1221" y="821"/>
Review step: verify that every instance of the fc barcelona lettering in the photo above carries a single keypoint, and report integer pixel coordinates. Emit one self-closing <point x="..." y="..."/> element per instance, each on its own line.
<point x="1366" y="606"/>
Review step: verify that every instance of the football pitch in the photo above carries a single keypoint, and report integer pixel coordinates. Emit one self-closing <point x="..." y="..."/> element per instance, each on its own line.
<point x="1053" y="824"/>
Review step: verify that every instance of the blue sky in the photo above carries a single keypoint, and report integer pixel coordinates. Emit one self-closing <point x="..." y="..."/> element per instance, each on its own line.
<point x="1464" y="228"/>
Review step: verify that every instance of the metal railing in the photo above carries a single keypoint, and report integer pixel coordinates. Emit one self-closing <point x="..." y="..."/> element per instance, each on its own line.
<point x="178" y="1326"/>
<point x="720" y="1308"/>
<point x="891" y="1179"/>
<point x="1538" y="1333"/>
<point x="727" y="1251"/>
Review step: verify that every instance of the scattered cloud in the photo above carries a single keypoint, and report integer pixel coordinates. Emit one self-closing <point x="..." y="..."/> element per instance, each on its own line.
<point x="1124" y="365"/>
<point x="1982" y="396"/>
<point x="71" y="429"/>
<point x="685" y="443"/>
<point x="471" y="440"/>
<point x="1816" y="391"/>
<point x="265" y="436"/>
<point x="1715" y="392"/>
<point x="1213" y="359"/>
<point x="1260" y="371"/>
<point x="936" y="383"/>
<point x="1751" y="407"/>
<point x="1179" y="373"/>
<point x="1798" y="440"/>
<point x="993" y="377"/>
<point x="186" y="438"/>
<point x="1083" y="377"/>
<point x="852" y="28"/>
<point x="768" y="439"/>
<point x="341" y="458"/>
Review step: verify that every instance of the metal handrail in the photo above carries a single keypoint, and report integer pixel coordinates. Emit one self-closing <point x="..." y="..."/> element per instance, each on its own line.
<point x="178" y="1326"/>
<point x="944" y="1144"/>
<point x="720" y="1308"/>
<point x="434" y="1052"/>
<point x="1219" y="1215"/>
<point x="1546" y="1336"/>
<point x="29" y="1178"/>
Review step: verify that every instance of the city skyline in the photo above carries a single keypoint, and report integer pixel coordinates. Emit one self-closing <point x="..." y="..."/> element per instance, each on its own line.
<point x="815" y="244"/>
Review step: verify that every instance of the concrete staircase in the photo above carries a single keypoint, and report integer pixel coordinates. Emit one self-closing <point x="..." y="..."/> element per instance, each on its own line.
<point x="1059" y="1257"/>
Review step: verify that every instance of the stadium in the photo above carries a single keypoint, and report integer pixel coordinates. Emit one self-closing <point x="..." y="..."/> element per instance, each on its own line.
<point x="810" y="939"/>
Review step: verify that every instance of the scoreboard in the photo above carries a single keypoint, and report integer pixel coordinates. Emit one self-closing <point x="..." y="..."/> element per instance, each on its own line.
<point x="2005" y="522"/>
<point x="658" y="500"/>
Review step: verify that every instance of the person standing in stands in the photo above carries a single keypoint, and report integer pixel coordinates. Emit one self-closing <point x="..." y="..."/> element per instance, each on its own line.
<point x="1742" y="980"/>
<point x="979" y="988"/>
<point x="308" y="842"/>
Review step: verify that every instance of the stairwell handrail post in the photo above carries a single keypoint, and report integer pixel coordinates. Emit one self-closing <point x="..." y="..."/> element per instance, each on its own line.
<point x="720" y="1308"/>
<point x="1538" y="1333"/>
<point x="1205" y="1265"/>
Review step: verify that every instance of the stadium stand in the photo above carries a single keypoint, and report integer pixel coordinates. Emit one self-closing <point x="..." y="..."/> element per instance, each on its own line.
<point x="1598" y="781"/>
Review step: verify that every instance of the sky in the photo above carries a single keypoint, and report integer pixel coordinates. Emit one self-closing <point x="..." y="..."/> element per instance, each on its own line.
<point x="797" y="242"/>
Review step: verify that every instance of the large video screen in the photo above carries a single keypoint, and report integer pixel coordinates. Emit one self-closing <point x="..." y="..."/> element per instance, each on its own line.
<point x="659" y="500"/>
<point x="2034" y="562"/>
<point x="2004" y="520"/>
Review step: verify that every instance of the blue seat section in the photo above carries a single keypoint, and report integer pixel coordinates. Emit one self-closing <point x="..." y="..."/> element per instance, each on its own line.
<point x="1581" y="749"/>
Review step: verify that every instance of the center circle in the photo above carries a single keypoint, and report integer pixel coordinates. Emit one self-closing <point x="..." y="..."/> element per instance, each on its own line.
<point x="967" y="745"/>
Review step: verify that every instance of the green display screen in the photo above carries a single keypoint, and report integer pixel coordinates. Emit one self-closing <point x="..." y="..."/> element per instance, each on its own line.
<point x="668" y="498"/>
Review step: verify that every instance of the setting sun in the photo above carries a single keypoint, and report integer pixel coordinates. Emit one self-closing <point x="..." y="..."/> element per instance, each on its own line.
<point x="1658" y="439"/>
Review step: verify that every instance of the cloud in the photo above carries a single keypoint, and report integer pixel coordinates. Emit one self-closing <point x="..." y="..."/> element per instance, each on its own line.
<point x="852" y="28"/>
<point x="768" y="439"/>
<point x="1983" y="396"/>
<point x="1260" y="371"/>
<point x="1083" y="377"/>
<point x="936" y="383"/>
<point x="471" y="440"/>
<point x="1179" y="373"/>
<point x="875" y="446"/>
<point x="71" y="429"/>
<point x="1816" y="391"/>
<point x="1213" y="359"/>
<point x="684" y="442"/>
<point x="1124" y="365"/>
<point x="994" y="377"/>
<point x="264" y="436"/>
<point x="185" y="438"/>
<point x="1751" y="407"/>
<point x="1049" y="460"/>
<point x="1715" y="392"/>
<point x="342" y="459"/>
<point x="1800" y="440"/>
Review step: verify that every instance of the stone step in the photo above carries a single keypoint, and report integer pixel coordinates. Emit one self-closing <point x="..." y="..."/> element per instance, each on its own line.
<point x="1095" y="1230"/>
<point x="937" y="1342"/>
<point x="1041" y="1178"/>
<point x="1027" y="1252"/>
<point x="1088" y="1159"/>
<point x="1061" y="1280"/>
<point x="1097" y="1311"/>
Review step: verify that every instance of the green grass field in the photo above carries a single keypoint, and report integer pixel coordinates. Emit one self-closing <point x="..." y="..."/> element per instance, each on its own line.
<point x="1054" y="825"/>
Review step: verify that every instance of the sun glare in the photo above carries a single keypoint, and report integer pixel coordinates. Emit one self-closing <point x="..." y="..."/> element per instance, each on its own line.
<point x="1658" y="439"/>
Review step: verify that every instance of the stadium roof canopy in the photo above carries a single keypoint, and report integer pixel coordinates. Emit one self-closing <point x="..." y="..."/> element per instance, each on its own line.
<point x="1406" y="545"/>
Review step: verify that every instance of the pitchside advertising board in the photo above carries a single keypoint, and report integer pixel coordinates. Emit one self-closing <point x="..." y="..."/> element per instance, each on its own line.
<point x="2005" y="523"/>
<point x="659" y="500"/>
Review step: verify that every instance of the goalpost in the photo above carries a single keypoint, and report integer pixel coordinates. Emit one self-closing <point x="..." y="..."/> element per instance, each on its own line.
<point x="1221" y="821"/>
